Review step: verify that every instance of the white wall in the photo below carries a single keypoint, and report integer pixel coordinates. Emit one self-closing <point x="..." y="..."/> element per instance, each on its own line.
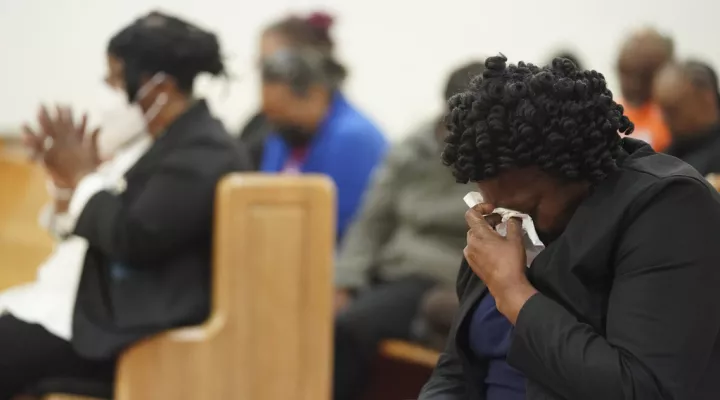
<point x="399" y="52"/>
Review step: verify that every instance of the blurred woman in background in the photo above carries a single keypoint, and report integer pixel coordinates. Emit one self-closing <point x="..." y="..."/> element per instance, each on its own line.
<point x="315" y="129"/>
<point x="399" y="260"/>
<point x="641" y="57"/>
<point x="687" y="94"/>
<point x="147" y="227"/>
<point x="311" y="31"/>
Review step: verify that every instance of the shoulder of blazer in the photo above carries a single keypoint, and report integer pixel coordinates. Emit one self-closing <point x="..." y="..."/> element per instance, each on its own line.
<point x="196" y="143"/>
<point x="208" y="155"/>
<point x="644" y="176"/>
<point x="208" y="148"/>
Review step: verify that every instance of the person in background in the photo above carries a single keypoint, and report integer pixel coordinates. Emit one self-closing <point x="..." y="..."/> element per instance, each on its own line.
<point x="311" y="31"/>
<point x="687" y="94"/>
<point x="642" y="55"/>
<point x="316" y="129"/>
<point x="622" y="303"/>
<point x="401" y="249"/>
<point x="146" y="227"/>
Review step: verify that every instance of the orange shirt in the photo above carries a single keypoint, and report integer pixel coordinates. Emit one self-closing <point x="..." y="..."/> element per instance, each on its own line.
<point x="649" y="125"/>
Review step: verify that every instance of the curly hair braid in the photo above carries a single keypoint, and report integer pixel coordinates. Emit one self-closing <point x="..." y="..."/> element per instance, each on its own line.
<point x="558" y="118"/>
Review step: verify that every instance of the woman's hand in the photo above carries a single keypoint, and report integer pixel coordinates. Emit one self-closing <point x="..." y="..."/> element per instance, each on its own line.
<point x="71" y="156"/>
<point x="35" y="144"/>
<point x="500" y="262"/>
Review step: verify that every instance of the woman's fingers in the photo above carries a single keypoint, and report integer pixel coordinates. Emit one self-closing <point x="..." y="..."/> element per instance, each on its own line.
<point x="514" y="229"/>
<point x="493" y="220"/>
<point x="83" y="126"/>
<point x="476" y="219"/>
<point x="46" y="122"/>
<point x="65" y="119"/>
<point x="33" y="142"/>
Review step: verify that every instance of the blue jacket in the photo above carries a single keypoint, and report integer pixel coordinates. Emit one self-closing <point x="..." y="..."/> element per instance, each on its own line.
<point x="347" y="147"/>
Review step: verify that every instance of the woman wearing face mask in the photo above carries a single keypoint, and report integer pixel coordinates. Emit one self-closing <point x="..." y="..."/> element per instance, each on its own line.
<point x="148" y="229"/>
<point x="623" y="302"/>
<point x="316" y="129"/>
<point x="311" y="31"/>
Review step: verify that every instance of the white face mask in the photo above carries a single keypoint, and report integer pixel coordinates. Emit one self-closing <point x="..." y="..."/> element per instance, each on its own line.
<point x="121" y="123"/>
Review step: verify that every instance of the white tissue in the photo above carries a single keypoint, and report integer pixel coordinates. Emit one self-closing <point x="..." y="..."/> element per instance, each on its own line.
<point x="532" y="243"/>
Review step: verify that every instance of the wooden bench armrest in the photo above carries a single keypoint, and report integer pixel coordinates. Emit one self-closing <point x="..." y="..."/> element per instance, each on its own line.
<point x="409" y="352"/>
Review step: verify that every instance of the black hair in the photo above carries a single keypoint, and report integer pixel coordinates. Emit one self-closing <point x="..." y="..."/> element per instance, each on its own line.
<point x="312" y="31"/>
<point x="702" y="76"/>
<point x="461" y="77"/>
<point x="298" y="68"/>
<point x="568" y="55"/>
<point x="558" y="118"/>
<point x="162" y="43"/>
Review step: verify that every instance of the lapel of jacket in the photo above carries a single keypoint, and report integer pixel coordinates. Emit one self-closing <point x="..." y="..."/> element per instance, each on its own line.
<point x="183" y="126"/>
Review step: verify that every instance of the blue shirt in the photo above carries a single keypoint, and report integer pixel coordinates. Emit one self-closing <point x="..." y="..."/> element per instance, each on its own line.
<point x="346" y="147"/>
<point x="490" y="336"/>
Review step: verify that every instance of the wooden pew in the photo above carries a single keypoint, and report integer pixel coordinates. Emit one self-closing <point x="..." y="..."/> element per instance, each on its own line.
<point x="269" y="335"/>
<point x="23" y="243"/>
<point x="410" y="353"/>
<point x="400" y="370"/>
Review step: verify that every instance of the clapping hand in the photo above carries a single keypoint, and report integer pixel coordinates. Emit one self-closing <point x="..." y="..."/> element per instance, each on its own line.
<point x="69" y="154"/>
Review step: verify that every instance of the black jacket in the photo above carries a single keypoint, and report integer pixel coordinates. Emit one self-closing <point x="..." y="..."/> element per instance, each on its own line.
<point x="702" y="150"/>
<point x="629" y="302"/>
<point x="253" y="135"/>
<point x="160" y="231"/>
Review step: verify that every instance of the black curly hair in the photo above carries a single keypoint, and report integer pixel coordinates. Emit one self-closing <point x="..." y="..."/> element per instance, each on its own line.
<point x="558" y="118"/>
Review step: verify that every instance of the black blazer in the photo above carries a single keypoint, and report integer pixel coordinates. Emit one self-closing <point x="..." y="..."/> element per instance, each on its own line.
<point x="253" y="135"/>
<point x="629" y="302"/>
<point x="158" y="233"/>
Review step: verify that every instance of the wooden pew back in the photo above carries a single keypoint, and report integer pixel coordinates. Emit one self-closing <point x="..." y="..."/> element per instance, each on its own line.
<point x="270" y="333"/>
<point x="23" y="243"/>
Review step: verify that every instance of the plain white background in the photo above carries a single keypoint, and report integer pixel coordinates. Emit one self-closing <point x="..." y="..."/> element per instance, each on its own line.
<point x="398" y="52"/>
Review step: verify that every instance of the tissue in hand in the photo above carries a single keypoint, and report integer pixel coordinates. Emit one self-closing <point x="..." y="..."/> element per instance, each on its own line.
<point x="532" y="243"/>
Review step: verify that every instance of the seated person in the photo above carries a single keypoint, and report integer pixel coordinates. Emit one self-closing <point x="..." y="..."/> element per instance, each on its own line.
<point x="148" y="236"/>
<point x="49" y="300"/>
<point x="291" y="32"/>
<point x="622" y="303"/>
<point x="642" y="55"/>
<point x="316" y="129"/>
<point x="687" y="94"/>
<point x="405" y="242"/>
<point x="435" y="316"/>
